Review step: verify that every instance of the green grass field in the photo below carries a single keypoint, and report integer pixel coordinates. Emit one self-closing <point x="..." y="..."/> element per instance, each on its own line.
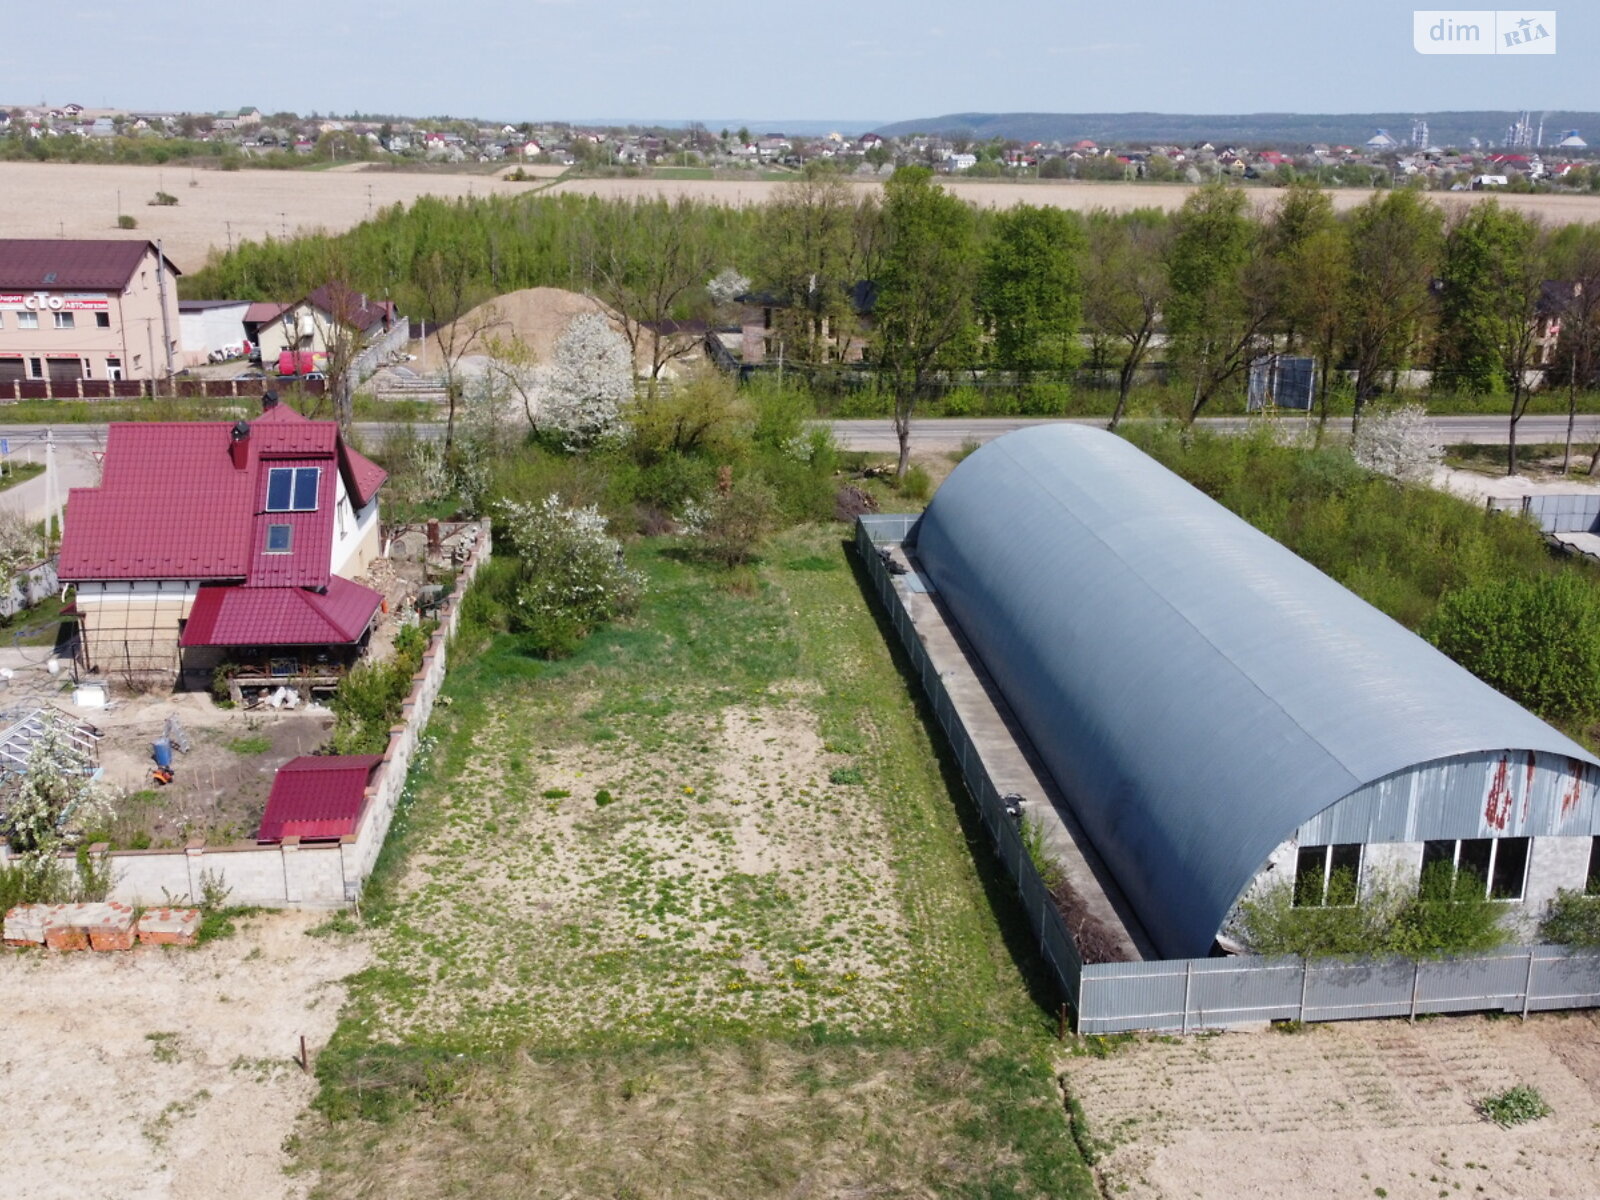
<point x="699" y="912"/>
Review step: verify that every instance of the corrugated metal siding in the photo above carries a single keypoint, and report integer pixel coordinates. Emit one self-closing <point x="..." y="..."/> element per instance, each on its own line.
<point x="1517" y="793"/>
<point x="1564" y="513"/>
<point x="1197" y="691"/>
<point x="1121" y="997"/>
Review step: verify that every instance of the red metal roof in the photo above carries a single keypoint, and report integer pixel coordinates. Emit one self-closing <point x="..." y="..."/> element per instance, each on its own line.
<point x="362" y="476"/>
<point x="317" y="797"/>
<point x="355" y="309"/>
<point x="264" y="311"/>
<point x="172" y="504"/>
<point x="281" y="616"/>
<point x="103" y="264"/>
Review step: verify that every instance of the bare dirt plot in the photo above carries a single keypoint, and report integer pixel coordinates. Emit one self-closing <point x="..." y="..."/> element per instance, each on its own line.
<point x="717" y="878"/>
<point x="1349" y="1109"/>
<point x="164" y="1073"/>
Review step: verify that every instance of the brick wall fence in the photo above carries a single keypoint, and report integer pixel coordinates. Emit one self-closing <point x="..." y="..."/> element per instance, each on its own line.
<point x="135" y="389"/>
<point x="299" y="874"/>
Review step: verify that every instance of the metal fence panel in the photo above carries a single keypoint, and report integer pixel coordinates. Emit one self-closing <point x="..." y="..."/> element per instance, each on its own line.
<point x="1353" y="991"/>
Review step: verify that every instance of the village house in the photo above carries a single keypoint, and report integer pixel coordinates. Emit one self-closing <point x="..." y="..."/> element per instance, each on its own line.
<point x="309" y="324"/>
<point x="75" y="309"/>
<point x="210" y="542"/>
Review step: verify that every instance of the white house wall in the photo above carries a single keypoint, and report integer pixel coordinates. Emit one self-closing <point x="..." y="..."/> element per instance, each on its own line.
<point x="355" y="533"/>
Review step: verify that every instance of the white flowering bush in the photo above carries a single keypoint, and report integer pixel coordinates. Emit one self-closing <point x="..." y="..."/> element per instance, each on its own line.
<point x="45" y="807"/>
<point x="726" y="286"/>
<point x="571" y="572"/>
<point x="1397" y="442"/>
<point x="589" y="383"/>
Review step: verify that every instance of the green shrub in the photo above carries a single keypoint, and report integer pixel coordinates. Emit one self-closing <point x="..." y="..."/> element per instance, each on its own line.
<point x="368" y="701"/>
<point x="1448" y="913"/>
<point x="1537" y="639"/>
<point x="1514" y="1106"/>
<point x="916" y="484"/>
<point x="1573" y="920"/>
<point x="126" y="221"/>
<point x="603" y="797"/>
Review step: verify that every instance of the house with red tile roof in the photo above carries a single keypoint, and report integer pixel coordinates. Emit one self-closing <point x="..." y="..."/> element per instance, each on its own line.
<point x="208" y="542"/>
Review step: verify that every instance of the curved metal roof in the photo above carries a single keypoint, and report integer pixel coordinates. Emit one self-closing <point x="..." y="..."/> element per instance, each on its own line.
<point x="1197" y="690"/>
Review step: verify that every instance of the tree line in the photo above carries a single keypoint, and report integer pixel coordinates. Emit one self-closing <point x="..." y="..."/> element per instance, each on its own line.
<point x="1397" y="283"/>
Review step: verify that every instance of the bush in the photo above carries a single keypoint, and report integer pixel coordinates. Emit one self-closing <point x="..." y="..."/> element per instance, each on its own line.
<point x="1535" y="639"/>
<point x="126" y="221"/>
<point x="1573" y="920"/>
<point x="1514" y="1106"/>
<point x="916" y="484"/>
<point x="1448" y="913"/>
<point x="368" y="701"/>
<point x="571" y="575"/>
<point x="729" y="526"/>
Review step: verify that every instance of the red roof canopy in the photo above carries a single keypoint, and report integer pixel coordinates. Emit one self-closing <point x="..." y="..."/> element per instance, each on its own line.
<point x="281" y="616"/>
<point x="317" y="797"/>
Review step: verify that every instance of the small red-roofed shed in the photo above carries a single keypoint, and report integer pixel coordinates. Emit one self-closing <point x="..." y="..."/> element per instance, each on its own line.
<point x="318" y="797"/>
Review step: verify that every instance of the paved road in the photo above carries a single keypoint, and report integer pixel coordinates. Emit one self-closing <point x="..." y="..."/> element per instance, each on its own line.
<point x="943" y="433"/>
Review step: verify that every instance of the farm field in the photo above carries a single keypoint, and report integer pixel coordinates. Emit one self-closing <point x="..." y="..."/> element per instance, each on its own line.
<point x="80" y="200"/>
<point x="694" y="913"/>
<point x="1357" y="1109"/>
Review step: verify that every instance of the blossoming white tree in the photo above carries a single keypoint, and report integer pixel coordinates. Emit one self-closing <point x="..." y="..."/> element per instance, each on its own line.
<point x="589" y="383"/>
<point x="571" y="574"/>
<point x="1398" y="442"/>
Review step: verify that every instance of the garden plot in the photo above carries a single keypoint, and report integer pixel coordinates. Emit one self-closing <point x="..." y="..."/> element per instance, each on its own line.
<point x="1381" y="1108"/>
<point x="716" y="870"/>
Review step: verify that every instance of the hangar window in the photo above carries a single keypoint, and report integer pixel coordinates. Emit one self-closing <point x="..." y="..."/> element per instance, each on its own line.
<point x="1499" y="864"/>
<point x="1592" y="886"/>
<point x="1327" y="875"/>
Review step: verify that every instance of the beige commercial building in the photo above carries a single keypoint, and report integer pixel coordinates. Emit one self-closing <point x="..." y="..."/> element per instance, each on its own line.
<point x="78" y="309"/>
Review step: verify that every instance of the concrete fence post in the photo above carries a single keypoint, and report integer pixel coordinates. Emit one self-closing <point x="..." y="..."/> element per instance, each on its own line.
<point x="194" y="852"/>
<point x="291" y="887"/>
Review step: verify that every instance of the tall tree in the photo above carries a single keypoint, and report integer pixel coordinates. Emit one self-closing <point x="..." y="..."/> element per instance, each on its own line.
<point x="1309" y="260"/>
<point x="1395" y="240"/>
<point x="1030" y="291"/>
<point x="1220" y="300"/>
<point x="809" y="256"/>
<point x="1124" y="288"/>
<point x="1575" y="260"/>
<point x="1491" y="286"/>
<point x="449" y="297"/>
<point x="650" y="262"/>
<point x="925" y="286"/>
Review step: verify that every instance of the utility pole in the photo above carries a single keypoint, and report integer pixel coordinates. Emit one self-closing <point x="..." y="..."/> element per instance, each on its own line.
<point x="161" y="293"/>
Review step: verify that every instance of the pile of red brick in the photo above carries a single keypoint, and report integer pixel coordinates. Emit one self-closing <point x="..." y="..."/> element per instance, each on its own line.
<point x="108" y="926"/>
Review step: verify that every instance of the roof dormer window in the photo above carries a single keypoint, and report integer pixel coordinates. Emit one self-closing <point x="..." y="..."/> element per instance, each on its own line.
<point x="293" y="489"/>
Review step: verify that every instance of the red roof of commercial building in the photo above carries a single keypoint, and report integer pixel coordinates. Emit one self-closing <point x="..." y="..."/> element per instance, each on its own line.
<point x="317" y="797"/>
<point x="104" y="264"/>
<point x="281" y="616"/>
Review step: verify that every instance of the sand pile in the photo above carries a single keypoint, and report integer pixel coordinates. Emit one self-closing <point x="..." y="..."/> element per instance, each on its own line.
<point x="538" y="316"/>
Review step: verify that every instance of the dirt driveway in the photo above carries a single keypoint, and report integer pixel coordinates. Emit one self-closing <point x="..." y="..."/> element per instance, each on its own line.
<point x="162" y="1073"/>
<point x="1358" y="1109"/>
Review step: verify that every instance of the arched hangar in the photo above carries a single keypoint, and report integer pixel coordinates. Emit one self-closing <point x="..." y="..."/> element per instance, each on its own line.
<point x="1216" y="709"/>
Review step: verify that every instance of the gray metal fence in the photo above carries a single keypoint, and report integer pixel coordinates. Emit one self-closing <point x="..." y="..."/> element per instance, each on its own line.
<point x="1055" y="944"/>
<point x="1183" y="995"/>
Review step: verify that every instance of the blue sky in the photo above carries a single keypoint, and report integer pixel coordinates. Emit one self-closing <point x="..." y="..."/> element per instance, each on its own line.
<point x="841" y="60"/>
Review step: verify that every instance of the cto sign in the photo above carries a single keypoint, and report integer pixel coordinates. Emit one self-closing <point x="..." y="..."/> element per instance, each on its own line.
<point x="46" y="302"/>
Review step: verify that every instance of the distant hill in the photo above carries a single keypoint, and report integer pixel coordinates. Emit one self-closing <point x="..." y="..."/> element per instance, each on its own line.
<point x="1281" y="129"/>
